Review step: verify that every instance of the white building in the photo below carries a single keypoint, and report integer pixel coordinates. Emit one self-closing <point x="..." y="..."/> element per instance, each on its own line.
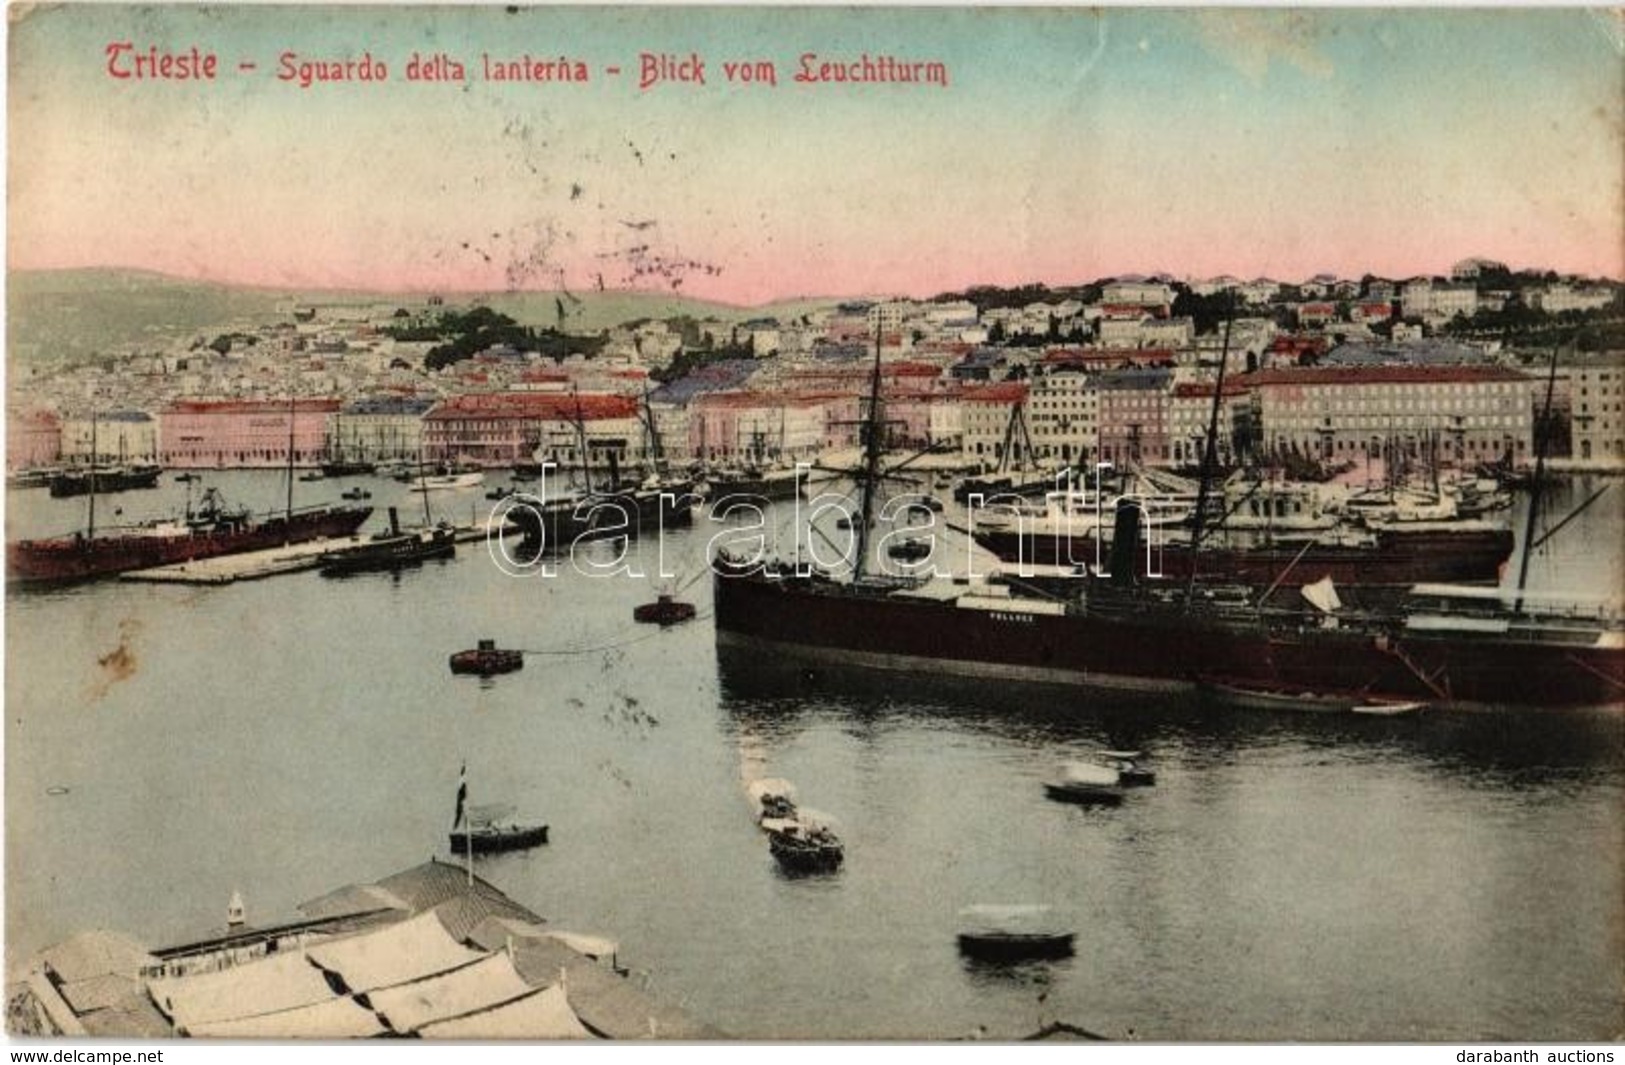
<point x="1062" y="410"/>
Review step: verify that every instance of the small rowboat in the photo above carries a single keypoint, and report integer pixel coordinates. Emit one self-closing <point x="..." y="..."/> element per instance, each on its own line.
<point x="664" y="611"/>
<point x="487" y="660"/>
<point x="1085" y="784"/>
<point x="1389" y="709"/>
<point x="1012" y="933"/>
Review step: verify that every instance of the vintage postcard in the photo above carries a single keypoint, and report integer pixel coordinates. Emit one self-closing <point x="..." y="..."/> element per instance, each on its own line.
<point x="684" y="523"/>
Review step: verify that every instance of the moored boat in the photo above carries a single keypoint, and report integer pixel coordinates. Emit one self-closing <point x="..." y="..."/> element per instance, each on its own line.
<point x="1130" y="773"/>
<point x="1013" y="933"/>
<point x="663" y="611"/>
<point x="390" y="550"/>
<point x="487" y="660"/>
<point x="1447" y="650"/>
<point x="1394" y="708"/>
<point x="489" y="829"/>
<point x="1235" y="694"/>
<point x="104" y="479"/>
<point x="208" y="530"/>
<point x="800" y="846"/>
<point x="1086" y="785"/>
<point x="495" y="838"/>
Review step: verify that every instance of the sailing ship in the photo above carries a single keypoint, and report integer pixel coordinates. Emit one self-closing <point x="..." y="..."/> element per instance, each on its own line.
<point x="610" y="510"/>
<point x="1446" y="646"/>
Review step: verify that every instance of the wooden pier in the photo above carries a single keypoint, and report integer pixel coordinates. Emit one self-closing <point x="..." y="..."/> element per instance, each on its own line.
<point x="271" y="562"/>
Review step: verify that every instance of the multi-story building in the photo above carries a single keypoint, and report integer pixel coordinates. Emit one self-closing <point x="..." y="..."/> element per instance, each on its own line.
<point x="1461" y="414"/>
<point x="992" y="414"/>
<point x="1144" y="293"/>
<point x="119" y="436"/>
<point x="1190" y="412"/>
<point x="33" y="438"/>
<point x="502" y="428"/>
<point x="1597" y="408"/>
<point x="1061" y="416"/>
<point x="380" y="429"/>
<point x="1133" y="417"/>
<point x="1555" y="298"/>
<point x="756" y="426"/>
<point x="244" y="433"/>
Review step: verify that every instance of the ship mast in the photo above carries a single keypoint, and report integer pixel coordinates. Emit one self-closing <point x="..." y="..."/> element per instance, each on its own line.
<point x="1209" y="455"/>
<point x="293" y="402"/>
<point x="1541" y="435"/>
<point x="90" y="530"/>
<point x="870" y="427"/>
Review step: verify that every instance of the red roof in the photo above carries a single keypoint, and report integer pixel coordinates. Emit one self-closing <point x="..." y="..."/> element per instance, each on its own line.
<point x="1189" y="389"/>
<point x="1005" y="392"/>
<point x="763" y="399"/>
<point x="1362" y="375"/>
<point x="249" y="406"/>
<point x="542" y="406"/>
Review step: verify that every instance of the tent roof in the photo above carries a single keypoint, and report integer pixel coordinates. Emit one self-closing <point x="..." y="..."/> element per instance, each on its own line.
<point x="336" y="1018"/>
<point x="96" y="953"/>
<point x="543" y="1014"/>
<point x="483" y="985"/>
<point x="409" y="950"/>
<point x="282" y="982"/>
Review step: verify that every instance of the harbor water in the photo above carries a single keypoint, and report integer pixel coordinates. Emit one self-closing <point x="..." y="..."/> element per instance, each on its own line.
<point x="1446" y="876"/>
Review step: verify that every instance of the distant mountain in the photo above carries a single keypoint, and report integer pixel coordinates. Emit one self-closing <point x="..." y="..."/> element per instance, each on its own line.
<point x="74" y="315"/>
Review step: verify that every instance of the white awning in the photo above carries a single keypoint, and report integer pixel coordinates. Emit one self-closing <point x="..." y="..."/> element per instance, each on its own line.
<point x="591" y="946"/>
<point x="1323" y="595"/>
<point x="543" y="1015"/>
<point x="476" y="987"/>
<point x="417" y="947"/>
<point x="281" y="982"/>
<point x="337" y="1018"/>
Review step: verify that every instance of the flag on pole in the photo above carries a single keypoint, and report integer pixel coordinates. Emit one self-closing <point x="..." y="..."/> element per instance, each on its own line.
<point x="462" y="795"/>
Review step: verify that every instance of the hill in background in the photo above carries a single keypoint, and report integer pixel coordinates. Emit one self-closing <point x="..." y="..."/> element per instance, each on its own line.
<point x="77" y="315"/>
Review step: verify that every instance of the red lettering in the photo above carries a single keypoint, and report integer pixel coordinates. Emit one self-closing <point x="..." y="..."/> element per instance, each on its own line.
<point x="193" y="64"/>
<point x="114" y="51"/>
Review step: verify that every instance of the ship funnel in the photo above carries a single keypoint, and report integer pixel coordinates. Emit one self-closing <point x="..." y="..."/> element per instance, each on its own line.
<point x="235" y="916"/>
<point x="1125" y="541"/>
<point x="394" y="522"/>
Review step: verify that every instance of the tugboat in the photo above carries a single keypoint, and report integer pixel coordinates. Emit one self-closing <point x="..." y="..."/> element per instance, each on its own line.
<point x="390" y="550"/>
<point x="487" y="660"/>
<point x="663" y="611"/>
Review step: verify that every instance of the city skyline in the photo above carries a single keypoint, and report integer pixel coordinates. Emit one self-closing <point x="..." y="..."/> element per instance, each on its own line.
<point x="1066" y="145"/>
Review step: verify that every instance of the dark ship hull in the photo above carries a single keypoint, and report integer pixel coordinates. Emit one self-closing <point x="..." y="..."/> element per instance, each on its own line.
<point x="389" y="551"/>
<point x="1395" y="559"/>
<point x="498" y="840"/>
<point x="1134" y="640"/>
<point x="556" y="524"/>
<point x="348" y="468"/>
<point x="76" y="558"/>
<point x="79" y="482"/>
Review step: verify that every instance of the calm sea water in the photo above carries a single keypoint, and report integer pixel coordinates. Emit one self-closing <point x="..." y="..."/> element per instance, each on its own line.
<point x="1445" y="877"/>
